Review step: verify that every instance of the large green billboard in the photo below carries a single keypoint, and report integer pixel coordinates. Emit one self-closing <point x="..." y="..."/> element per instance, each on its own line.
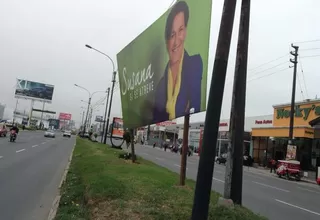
<point x="163" y="72"/>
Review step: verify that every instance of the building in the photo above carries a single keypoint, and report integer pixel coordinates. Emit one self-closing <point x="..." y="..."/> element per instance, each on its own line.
<point x="271" y="142"/>
<point x="2" y="108"/>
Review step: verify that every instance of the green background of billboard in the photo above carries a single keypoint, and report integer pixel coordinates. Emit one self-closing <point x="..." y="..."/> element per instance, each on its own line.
<point x="150" y="47"/>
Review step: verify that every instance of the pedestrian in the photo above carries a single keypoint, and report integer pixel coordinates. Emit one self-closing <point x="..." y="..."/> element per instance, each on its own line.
<point x="273" y="165"/>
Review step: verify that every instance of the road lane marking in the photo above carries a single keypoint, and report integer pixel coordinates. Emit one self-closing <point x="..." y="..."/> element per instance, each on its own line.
<point x="309" y="190"/>
<point x="221" y="181"/>
<point x="298" y="207"/>
<point x="254" y="176"/>
<point x="145" y="153"/>
<point x="35" y="145"/>
<point x="179" y="166"/>
<point x="43" y="142"/>
<point x="1" y="157"/>
<point x="157" y="158"/>
<point x="18" y="151"/>
<point x="272" y="187"/>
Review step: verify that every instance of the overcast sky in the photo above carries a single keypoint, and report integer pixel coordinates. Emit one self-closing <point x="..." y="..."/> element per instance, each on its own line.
<point x="43" y="41"/>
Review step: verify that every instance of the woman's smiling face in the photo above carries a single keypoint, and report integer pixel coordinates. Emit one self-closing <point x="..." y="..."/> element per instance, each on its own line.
<point x="175" y="43"/>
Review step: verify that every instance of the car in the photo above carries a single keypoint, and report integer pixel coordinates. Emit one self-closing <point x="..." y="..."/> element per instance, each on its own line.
<point x="3" y="130"/>
<point x="67" y="134"/>
<point x="222" y="159"/>
<point x="49" y="133"/>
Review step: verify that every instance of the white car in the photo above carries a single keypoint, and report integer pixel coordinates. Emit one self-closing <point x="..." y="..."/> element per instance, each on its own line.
<point x="49" y="133"/>
<point x="67" y="134"/>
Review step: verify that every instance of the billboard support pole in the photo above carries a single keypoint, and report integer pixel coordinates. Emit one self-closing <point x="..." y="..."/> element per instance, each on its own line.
<point x="15" y="110"/>
<point x="184" y="150"/>
<point x="211" y="127"/>
<point x="42" y="114"/>
<point x="133" y="154"/>
<point x="105" y="129"/>
<point x="234" y="165"/>
<point x="31" y="109"/>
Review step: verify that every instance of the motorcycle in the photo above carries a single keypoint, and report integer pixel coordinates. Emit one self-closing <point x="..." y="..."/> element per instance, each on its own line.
<point x="13" y="136"/>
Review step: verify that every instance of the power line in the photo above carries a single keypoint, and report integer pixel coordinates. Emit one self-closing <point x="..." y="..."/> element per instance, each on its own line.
<point x="303" y="77"/>
<point x="256" y="73"/>
<point x="301" y="91"/>
<point x="269" y="62"/>
<point x="314" y="48"/>
<point x="318" y="55"/>
<point x="268" y="74"/>
<point x="308" y="41"/>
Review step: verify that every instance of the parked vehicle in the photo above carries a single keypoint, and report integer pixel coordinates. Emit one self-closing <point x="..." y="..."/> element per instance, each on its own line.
<point x="67" y="134"/>
<point x="289" y="169"/>
<point x="49" y="133"/>
<point x="3" y="130"/>
<point x="13" y="136"/>
<point x="222" y="159"/>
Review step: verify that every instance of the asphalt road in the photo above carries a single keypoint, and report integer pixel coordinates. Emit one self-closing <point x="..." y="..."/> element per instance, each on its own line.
<point x="31" y="170"/>
<point x="269" y="196"/>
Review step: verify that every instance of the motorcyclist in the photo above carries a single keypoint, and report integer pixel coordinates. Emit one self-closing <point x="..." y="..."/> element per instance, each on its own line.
<point x="15" y="128"/>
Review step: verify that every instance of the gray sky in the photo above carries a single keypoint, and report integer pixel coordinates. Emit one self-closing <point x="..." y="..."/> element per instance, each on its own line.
<point x="44" y="41"/>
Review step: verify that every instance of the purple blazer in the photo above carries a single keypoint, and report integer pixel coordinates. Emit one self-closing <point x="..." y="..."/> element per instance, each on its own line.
<point x="190" y="90"/>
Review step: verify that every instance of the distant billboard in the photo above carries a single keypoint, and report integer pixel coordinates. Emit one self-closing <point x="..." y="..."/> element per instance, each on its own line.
<point x="34" y="90"/>
<point x="99" y="118"/>
<point x="64" y="116"/>
<point x="117" y="127"/>
<point x="54" y="123"/>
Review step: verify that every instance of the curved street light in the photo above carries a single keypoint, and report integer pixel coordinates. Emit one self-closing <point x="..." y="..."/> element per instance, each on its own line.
<point x="111" y="95"/>
<point x="89" y="102"/>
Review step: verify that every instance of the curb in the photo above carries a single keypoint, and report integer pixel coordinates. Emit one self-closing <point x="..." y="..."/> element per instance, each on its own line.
<point x="56" y="201"/>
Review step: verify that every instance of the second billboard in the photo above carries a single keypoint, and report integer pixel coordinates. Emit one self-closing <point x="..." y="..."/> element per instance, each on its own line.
<point x="34" y="90"/>
<point x="163" y="72"/>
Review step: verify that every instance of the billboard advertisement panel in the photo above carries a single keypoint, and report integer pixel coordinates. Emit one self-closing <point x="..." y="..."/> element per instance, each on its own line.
<point x="55" y="123"/>
<point x="117" y="127"/>
<point x="163" y="72"/>
<point x="64" y="116"/>
<point x="34" y="90"/>
<point x="99" y="118"/>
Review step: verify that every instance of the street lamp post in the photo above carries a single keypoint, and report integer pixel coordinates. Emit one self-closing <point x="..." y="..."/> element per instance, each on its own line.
<point x="89" y="102"/>
<point x="104" y="131"/>
<point x="113" y="83"/>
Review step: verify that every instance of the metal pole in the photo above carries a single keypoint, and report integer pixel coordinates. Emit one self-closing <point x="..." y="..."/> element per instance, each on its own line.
<point x="293" y="95"/>
<point x="42" y="114"/>
<point x="219" y="154"/>
<point x="30" y="114"/>
<point x="211" y="127"/>
<point x="85" y="121"/>
<point x="82" y="118"/>
<point x="184" y="150"/>
<point x="110" y="105"/>
<point x="234" y="166"/>
<point x="105" y="129"/>
<point x="15" y="110"/>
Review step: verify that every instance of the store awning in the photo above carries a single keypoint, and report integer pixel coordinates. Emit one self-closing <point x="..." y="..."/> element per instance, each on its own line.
<point x="303" y="132"/>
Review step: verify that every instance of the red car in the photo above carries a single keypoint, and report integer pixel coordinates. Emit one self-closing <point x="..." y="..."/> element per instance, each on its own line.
<point x="3" y="130"/>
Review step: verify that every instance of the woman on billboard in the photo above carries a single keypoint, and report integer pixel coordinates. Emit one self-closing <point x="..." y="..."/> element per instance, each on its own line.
<point x="179" y="90"/>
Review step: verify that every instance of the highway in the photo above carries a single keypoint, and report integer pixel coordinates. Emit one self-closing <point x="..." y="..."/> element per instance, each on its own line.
<point x="264" y="194"/>
<point x="31" y="170"/>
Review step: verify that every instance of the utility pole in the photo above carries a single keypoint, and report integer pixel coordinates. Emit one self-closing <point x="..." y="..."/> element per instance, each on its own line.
<point x="111" y="95"/>
<point x="184" y="150"/>
<point x="105" y="129"/>
<point x="293" y="95"/>
<point x="86" y="120"/>
<point x="234" y="166"/>
<point x="211" y="127"/>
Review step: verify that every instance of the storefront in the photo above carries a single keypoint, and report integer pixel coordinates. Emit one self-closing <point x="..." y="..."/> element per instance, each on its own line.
<point x="271" y="142"/>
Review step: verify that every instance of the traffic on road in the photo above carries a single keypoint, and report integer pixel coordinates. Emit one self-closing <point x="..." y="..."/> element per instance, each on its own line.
<point x="263" y="193"/>
<point x="31" y="169"/>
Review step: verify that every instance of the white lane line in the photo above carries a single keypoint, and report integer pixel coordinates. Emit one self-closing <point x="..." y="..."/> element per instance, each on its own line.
<point x="179" y="166"/>
<point x="221" y="181"/>
<point x="309" y="190"/>
<point x="145" y="153"/>
<point x="298" y="207"/>
<point x="43" y="142"/>
<point x="1" y="157"/>
<point x="157" y="158"/>
<point x="18" y="151"/>
<point x="35" y="146"/>
<point x="272" y="187"/>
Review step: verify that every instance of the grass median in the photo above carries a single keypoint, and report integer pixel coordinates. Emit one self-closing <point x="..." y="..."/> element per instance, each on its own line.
<point x="99" y="185"/>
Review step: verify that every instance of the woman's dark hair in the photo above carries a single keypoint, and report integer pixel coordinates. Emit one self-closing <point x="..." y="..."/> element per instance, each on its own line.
<point x="180" y="6"/>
